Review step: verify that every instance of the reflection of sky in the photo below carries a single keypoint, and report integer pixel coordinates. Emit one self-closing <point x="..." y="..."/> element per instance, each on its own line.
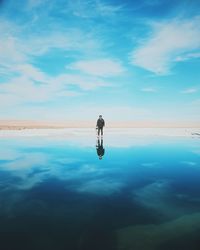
<point x="32" y="163"/>
<point x="152" y="175"/>
<point x="138" y="189"/>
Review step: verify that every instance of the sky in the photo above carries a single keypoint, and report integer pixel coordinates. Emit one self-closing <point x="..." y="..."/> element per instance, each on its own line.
<point x="76" y="59"/>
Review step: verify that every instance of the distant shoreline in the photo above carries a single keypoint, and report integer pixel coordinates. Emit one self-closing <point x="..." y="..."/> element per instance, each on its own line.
<point x="23" y="124"/>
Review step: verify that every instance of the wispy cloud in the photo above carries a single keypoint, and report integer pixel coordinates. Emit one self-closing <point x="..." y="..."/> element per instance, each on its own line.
<point x="149" y="89"/>
<point x="100" y="67"/>
<point x="106" y="9"/>
<point x="24" y="82"/>
<point x="36" y="3"/>
<point x="187" y="56"/>
<point x="160" y="50"/>
<point x="14" y="50"/>
<point x="34" y="86"/>
<point x="189" y="91"/>
<point x="93" y="8"/>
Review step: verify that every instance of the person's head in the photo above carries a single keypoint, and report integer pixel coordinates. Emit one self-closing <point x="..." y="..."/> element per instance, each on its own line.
<point x="100" y="116"/>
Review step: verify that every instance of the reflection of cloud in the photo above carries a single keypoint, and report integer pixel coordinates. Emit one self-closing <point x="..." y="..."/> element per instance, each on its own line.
<point x="66" y="160"/>
<point x="32" y="165"/>
<point x="8" y="154"/>
<point x="150" y="164"/>
<point x="100" y="187"/>
<point x="89" y="168"/>
<point x="150" y="237"/>
<point x="189" y="163"/>
<point x="157" y="196"/>
<point x="26" y="161"/>
<point x="28" y="169"/>
<point x="31" y="168"/>
<point x="197" y="151"/>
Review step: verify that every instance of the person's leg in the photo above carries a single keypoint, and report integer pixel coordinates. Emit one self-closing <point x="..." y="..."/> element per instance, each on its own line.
<point x="98" y="131"/>
<point x="101" y="131"/>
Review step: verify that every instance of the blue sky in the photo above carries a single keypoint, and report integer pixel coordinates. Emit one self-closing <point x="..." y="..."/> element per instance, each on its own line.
<point x="127" y="60"/>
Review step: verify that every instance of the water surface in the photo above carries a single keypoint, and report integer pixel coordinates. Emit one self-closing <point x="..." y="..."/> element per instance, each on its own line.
<point x="55" y="193"/>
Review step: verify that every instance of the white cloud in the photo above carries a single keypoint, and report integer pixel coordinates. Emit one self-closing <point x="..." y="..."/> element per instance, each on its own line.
<point x="187" y="56"/>
<point x="17" y="49"/>
<point x="67" y="39"/>
<point x="27" y="83"/>
<point x="10" y="54"/>
<point x="24" y="90"/>
<point x="167" y="42"/>
<point x="84" y="82"/>
<point x="36" y="3"/>
<point x="92" y="8"/>
<point x="31" y="72"/>
<point x="107" y="10"/>
<point x="189" y="91"/>
<point x="101" y="67"/>
<point x="35" y="86"/>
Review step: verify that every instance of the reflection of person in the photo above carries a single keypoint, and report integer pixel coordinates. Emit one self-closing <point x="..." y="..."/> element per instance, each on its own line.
<point x="100" y="149"/>
<point x="100" y="125"/>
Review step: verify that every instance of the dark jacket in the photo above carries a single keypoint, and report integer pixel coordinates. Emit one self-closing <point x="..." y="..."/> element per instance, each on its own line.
<point x="100" y="151"/>
<point x="100" y="148"/>
<point x="100" y="123"/>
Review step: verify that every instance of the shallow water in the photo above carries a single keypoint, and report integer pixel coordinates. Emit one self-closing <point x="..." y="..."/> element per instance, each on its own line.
<point x="55" y="193"/>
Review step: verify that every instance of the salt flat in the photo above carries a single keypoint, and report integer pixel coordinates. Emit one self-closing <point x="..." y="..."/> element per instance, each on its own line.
<point x="75" y="132"/>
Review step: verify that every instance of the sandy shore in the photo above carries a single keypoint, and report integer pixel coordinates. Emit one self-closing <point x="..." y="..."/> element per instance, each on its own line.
<point x="23" y="124"/>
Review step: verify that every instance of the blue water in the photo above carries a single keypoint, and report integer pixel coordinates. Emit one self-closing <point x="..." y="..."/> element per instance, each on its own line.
<point x="58" y="194"/>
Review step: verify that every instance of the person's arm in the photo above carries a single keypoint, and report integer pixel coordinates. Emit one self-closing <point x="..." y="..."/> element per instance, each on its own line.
<point x="104" y="123"/>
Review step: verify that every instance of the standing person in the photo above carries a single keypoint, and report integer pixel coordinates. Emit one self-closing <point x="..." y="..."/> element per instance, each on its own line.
<point x="100" y="125"/>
